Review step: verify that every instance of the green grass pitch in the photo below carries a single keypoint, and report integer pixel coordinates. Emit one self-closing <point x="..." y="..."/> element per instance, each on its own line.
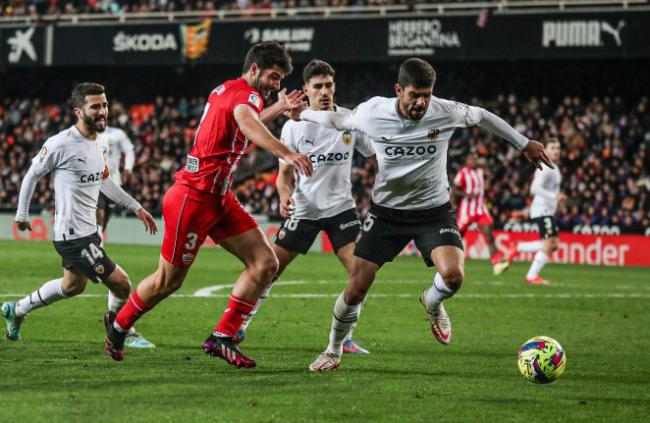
<point x="59" y="372"/>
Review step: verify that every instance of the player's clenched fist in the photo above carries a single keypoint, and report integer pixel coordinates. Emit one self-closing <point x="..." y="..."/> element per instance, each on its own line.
<point x="300" y="162"/>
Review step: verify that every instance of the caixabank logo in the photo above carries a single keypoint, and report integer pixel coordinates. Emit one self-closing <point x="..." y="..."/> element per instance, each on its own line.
<point x="582" y="33"/>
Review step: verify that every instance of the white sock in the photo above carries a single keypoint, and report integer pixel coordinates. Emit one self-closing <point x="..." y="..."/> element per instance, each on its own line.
<point x="530" y="246"/>
<point x="344" y="318"/>
<point x="115" y="304"/>
<point x="541" y="258"/>
<point x="47" y="294"/>
<point x="258" y="304"/>
<point x="437" y="293"/>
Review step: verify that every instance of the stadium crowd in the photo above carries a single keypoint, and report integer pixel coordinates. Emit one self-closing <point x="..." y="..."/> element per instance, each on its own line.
<point x="117" y="7"/>
<point x="605" y="159"/>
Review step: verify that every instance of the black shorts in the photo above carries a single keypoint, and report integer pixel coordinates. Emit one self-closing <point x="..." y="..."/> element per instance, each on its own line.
<point x="386" y="232"/>
<point x="298" y="235"/>
<point x="547" y="226"/>
<point x="87" y="256"/>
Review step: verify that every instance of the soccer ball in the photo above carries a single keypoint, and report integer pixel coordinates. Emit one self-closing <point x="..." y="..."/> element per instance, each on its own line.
<point x="541" y="359"/>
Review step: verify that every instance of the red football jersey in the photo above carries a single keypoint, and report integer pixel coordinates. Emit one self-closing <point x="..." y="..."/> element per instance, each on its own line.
<point x="471" y="181"/>
<point x="219" y="144"/>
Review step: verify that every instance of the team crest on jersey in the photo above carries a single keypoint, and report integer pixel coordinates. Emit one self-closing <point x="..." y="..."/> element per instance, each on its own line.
<point x="282" y="233"/>
<point x="99" y="269"/>
<point x="347" y="137"/>
<point x="188" y="258"/>
<point x="433" y="134"/>
<point x="42" y="154"/>
<point x="254" y="100"/>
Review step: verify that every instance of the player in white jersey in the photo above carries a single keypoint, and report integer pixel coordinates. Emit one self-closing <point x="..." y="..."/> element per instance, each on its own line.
<point x="76" y="157"/>
<point x="546" y="191"/>
<point x="469" y="190"/>
<point x="323" y="201"/>
<point x="411" y="193"/>
<point x="118" y="144"/>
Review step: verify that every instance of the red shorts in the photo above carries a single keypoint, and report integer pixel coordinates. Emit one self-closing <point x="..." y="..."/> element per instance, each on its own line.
<point x="483" y="219"/>
<point x="191" y="215"/>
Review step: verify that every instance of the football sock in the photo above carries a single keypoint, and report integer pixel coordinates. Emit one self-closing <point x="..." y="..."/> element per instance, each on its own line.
<point x="130" y="313"/>
<point x="115" y="304"/>
<point x="258" y="304"/>
<point x="530" y="246"/>
<point x="236" y="310"/>
<point x="344" y="318"/>
<point x="541" y="258"/>
<point x="437" y="293"/>
<point x="496" y="258"/>
<point x="47" y="294"/>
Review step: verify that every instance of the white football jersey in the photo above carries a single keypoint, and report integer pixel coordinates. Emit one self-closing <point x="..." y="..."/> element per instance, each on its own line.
<point x="545" y="188"/>
<point x="328" y="191"/>
<point x="77" y="165"/>
<point x="412" y="154"/>
<point x="118" y="143"/>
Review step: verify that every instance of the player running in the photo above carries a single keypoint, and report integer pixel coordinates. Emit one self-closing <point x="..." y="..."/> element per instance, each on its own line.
<point x="77" y="159"/>
<point x="411" y="193"/>
<point x="546" y="191"/>
<point x="201" y="204"/>
<point x="469" y="186"/>
<point x="322" y="202"/>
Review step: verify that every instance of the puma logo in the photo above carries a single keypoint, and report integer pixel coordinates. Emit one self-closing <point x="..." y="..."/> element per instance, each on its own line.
<point x="310" y="142"/>
<point x="616" y="33"/>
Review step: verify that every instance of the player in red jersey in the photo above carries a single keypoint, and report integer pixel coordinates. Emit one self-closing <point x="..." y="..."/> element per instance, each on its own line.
<point x="201" y="204"/>
<point x="469" y="186"/>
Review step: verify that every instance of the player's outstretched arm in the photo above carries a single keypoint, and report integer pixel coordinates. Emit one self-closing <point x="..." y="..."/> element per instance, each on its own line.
<point x="253" y="129"/>
<point x="286" y="103"/>
<point x="533" y="150"/>
<point x="25" y="198"/>
<point x="121" y="197"/>
<point x="342" y="121"/>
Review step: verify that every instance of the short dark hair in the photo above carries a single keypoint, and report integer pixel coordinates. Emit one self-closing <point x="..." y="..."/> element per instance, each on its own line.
<point x="317" y="68"/>
<point x="266" y="55"/>
<point x="417" y="73"/>
<point x="80" y="91"/>
<point x="550" y="140"/>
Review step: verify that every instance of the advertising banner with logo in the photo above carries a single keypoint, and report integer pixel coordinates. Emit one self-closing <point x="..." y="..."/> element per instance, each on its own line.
<point x="23" y="46"/>
<point x="557" y="35"/>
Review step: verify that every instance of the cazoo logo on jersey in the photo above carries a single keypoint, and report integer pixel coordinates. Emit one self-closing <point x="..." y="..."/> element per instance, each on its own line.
<point x="293" y="39"/>
<point x="581" y="33"/>
<point x="123" y="42"/>
<point x="419" y="36"/>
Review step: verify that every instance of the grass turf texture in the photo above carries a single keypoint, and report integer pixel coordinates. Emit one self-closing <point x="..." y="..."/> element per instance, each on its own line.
<point x="58" y="372"/>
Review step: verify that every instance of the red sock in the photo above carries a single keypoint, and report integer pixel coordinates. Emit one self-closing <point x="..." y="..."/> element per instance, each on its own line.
<point x="131" y="312"/>
<point x="237" y="309"/>
<point x="496" y="258"/>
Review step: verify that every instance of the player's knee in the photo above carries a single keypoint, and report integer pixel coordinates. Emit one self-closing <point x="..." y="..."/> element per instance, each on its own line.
<point x="554" y="244"/>
<point x="265" y="268"/>
<point x="453" y="277"/>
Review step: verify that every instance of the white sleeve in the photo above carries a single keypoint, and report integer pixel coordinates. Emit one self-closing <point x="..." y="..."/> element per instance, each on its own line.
<point x="363" y="144"/>
<point x="47" y="159"/>
<point x="537" y="187"/>
<point x="464" y="116"/>
<point x="500" y="127"/>
<point x="129" y="153"/>
<point x="118" y="195"/>
<point x="343" y="121"/>
<point x="25" y="198"/>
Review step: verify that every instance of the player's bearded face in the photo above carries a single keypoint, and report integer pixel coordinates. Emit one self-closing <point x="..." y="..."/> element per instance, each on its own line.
<point x="267" y="80"/>
<point x="94" y="114"/>
<point x="413" y="102"/>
